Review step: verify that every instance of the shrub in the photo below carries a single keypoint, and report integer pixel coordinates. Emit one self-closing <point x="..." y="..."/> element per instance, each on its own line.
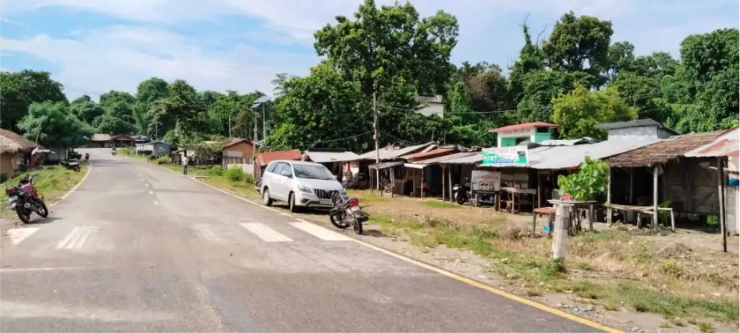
<point x="164" y="160"/>
<point x="235" y="174"/>
<point x="249" y="178"/>
<point x="216" y="171"/>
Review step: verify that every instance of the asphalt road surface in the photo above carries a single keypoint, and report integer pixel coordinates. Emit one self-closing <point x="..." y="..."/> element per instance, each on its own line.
<point x="140" y="248"/>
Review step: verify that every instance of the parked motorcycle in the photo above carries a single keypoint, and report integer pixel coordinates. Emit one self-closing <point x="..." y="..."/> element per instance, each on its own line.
<point x="461" y="194"/>
<point x="113" y="151"/>
<point x="347" y="212"/>
<point x="71" y="165"/>
<point x="24" y="199"/>
<point x="87" y="156"/>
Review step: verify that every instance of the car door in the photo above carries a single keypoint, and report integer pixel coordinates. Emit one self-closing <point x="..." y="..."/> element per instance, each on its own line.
<point x="268" y="177"/>
<point x="277" y="187"/>
<point x="288" y="182"/>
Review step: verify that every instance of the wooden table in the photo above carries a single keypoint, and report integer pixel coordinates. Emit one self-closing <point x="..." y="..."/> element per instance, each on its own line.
<point x="542" y="211"/>
<point x="644" y="210"/>
<point x="511" y="204"/>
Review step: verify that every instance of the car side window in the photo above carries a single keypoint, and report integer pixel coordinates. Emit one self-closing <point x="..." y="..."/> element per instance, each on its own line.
<point x="271" y="167"/>
<point x="278" y="168"/>
<point x="288" y="167"/>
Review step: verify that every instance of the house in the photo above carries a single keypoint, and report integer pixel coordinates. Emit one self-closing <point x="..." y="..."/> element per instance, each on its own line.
<point x="154" y="148"/>
<point x="640" y="129"/>
<point x="431" y="105"/>
<point x="99" y="141"/>
<point x="390" y="157"/>
<point x="238" y="148"/>
<point x="15" y="150"/>
<point x="122" y="140"/>
<point x="512" y="135"/>
<point x="337" y="161"/>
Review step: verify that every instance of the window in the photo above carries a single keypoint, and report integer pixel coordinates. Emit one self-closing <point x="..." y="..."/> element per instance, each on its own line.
<point x="271" y="167"/>
<point x="313" y="171"/>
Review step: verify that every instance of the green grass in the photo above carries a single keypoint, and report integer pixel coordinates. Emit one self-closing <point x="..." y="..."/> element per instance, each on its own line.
<point x="52" y="183"/>
<point x="439" y="204"/>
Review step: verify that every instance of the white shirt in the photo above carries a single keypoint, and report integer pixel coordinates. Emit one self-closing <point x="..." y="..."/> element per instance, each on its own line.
<point x="184" y="160"/>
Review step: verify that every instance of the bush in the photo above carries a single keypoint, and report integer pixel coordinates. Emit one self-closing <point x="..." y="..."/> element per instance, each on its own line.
<point x="216" y="171"/>
<point x="235" y="174"/>
<point x="164" y="160"/>
<point x="249" y="178"/>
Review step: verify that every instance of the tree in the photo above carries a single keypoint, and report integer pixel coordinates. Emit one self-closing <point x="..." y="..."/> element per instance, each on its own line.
<point x="110" y="124"/>
<point x="147" y="94"/>
<point x="579" y="111"/>
<point x="577" y="42"/>
<point x="85" y="109"/>
<point x="18" y="90"/>
<point x="389" y="43"/>
<point x="54" y="126"/>
<point x="621" y="58"/>
<point x="319" y="109"/>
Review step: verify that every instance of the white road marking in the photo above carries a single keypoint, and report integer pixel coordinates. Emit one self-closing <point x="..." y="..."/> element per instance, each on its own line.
<point x="146" y="184"/>
<point x="18" y="235"/>
<point x="320" y="232"/>
<point x="76" y="238"/>
<point x="44" y="269"/>
<point x="265" y="233"/>
<point x="156" y="202"/>
<point x="150" y="192"/>
<point x="206" y="233"/>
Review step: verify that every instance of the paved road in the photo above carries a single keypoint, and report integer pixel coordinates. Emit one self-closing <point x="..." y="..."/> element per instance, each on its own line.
<point x="140" y="248"/>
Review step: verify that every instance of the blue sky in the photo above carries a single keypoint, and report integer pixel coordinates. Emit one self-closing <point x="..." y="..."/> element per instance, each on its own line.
<point x="93" y="46"/>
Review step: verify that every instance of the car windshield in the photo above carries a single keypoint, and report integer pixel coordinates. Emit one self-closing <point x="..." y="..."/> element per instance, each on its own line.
<point x="312" y="172"/>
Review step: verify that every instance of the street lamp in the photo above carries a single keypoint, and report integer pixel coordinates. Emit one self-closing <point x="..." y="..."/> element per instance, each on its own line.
<point x="262" y="101"/>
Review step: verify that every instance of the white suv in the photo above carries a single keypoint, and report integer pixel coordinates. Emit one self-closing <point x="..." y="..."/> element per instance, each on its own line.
<point x="300" y="184"/>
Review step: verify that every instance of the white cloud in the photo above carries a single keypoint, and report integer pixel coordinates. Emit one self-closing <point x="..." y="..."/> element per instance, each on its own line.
<point x="119" y="58"/>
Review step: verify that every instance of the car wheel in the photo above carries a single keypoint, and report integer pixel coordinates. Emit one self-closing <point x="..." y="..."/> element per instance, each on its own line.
<point x="291" y="203"/>
<point x="266" y="197"/>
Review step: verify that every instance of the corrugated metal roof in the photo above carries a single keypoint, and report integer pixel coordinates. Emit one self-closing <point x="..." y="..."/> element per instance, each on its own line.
<point x="429" y="154"/>
<point x="392" y="154"/>
<point x="663" y="150"/>
<point x="265" y="158"/>
<point x="331" y="156"/>
<point x="725" y="145"/>
<point x="442" y="159"/>
<point x="567" y="157"/>
<point x="571" y="142"/>
<point x="472" y="159"/>
<point x="634" y="123"/>
<point x="515" y="127"/>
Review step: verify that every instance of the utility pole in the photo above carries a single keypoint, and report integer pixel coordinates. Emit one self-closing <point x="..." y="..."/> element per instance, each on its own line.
<point x="264" y="130"/>
<point x="377" y="142"/>
<point x="230" y="127"/>
<point x="254" y="142"/>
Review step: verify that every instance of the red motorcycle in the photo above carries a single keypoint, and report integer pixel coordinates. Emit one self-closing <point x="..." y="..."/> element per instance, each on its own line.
<point x="24" y="199"/>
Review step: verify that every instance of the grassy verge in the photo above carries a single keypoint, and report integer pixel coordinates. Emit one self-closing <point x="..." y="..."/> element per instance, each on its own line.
<point x="51" y="182"/>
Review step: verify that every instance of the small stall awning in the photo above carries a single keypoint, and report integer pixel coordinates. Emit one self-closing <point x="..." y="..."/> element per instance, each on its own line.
<point x="416" y="166"/>
<point x="385" y="165"/>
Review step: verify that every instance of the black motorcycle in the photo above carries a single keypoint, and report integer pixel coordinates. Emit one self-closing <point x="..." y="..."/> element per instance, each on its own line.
<point x="461" y="194"/>
<point x="71" y="165"/>
<point x="347" y="212"/>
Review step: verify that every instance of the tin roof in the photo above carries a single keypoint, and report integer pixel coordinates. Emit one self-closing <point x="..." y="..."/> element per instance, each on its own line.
<point x="476" y="158"/>
<point x="663" y="150"/>
<point x="265" y="158"/>
<point x="429" y="154"/>
<point x="635" y="123"/>
<point x="726" y="144"/>
<point x="392" y="154"/>
<point x="443" y="159"/>
<point x="509" y="128"/>
<point x="331" y="156"/>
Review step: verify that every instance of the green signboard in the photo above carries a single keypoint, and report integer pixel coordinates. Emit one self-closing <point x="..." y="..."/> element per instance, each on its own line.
<point x="508" y="155"/>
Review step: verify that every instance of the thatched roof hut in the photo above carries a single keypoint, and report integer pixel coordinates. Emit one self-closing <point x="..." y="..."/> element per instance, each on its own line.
<point x="11" y="142"/>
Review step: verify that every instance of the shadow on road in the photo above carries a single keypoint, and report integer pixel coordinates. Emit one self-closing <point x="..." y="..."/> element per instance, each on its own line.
<point x="40" y="220"/>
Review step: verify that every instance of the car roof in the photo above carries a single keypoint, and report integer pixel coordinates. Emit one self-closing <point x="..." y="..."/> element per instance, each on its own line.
<point x="296" y="162"/>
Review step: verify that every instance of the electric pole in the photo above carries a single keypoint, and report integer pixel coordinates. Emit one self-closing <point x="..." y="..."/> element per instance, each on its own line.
<point x="377" y="149"/>
<point x="230" y="127"/>
<point x="264" y="130"/>
<point x="254" y="142"/>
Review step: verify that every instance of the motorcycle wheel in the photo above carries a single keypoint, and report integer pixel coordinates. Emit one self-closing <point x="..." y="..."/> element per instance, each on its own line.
<point x="337" y="221"/>
<point x="460" y="199"/>
<point x="42" y="211"/>
<point x="23" y="214"/>
<point x="77" y="168"/>
<point x="357" y="225"/>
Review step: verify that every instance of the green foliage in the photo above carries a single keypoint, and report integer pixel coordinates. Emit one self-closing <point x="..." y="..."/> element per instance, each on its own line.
<point x="216" y="171"/>
<point x="204" y="151"/>
<point x="18" y="90"/>
<point x="164" y="160"/>
<point x="588" y="183"/>
<point x="579" y="111"/>
<point x="54" y="126"/>
<point x="235" y="174"/>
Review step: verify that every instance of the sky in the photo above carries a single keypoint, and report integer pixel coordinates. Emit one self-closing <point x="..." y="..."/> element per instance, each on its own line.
<point x="93" y="46"/>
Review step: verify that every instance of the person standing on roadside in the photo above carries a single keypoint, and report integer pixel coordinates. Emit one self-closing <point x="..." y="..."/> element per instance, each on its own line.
<point x="184" y="164"/>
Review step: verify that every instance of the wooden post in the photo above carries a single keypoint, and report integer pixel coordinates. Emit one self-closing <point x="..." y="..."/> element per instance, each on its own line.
<point x="539" y="187"/>
<point x="609" y="198"/>
<point x="393" y="179"/>
<point x="560" y="232"/>
<point x="443" y="183"/>
<point x="591" y="217"/>
<point x="721" y="196"/>
<point x="413" y="183"/>
<point x="655" y="197"/>
<point x="534" y="223"/>
<point x="422" y="183"/>
<point x="449" y="180"/>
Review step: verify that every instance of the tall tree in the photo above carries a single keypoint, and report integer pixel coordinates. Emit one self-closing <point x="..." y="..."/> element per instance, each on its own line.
<point x="147" y="94"/>
<point x="18" y="90"/>
<point x="85" y="109"/>
<point x="579" y="111"/>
